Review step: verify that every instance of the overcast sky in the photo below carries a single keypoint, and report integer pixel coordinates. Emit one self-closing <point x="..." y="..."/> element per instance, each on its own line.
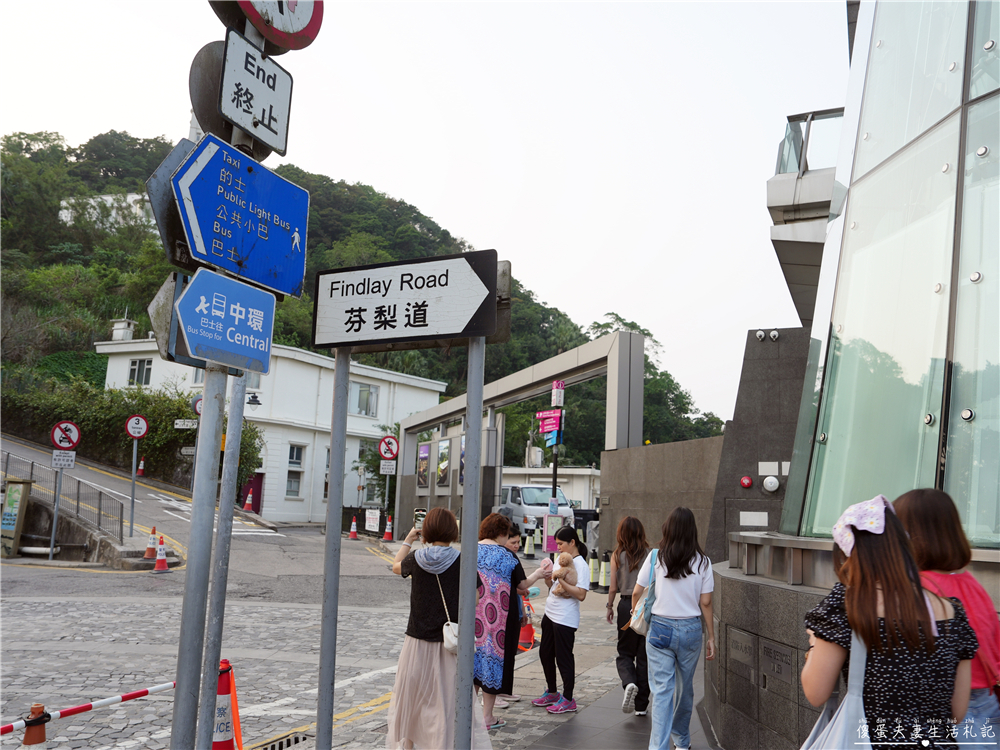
<point x="616" y="153"/>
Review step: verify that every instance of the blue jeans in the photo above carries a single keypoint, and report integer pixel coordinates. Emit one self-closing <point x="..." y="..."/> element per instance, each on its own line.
<point x="984" y="715"/>
<point x="672" y="651"/>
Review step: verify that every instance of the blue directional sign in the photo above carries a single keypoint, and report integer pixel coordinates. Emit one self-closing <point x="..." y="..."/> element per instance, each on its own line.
<point x="241" y="217"/>
<point x="226" y="321"/>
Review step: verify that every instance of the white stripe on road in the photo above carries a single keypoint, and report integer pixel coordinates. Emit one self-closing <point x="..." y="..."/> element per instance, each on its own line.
<point x="177" y="516"/>
<point x="356" y="678"/>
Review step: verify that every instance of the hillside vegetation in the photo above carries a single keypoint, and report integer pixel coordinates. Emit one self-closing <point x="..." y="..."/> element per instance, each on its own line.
<point x="62" y="282"/>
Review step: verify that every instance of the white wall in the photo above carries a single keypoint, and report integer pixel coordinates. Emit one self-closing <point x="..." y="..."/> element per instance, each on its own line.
<point x="296" y="409"/>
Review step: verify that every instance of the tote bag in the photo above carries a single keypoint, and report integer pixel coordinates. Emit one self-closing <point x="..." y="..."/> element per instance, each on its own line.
<point x="838" y="726"/>
<point x="643" y="611"/>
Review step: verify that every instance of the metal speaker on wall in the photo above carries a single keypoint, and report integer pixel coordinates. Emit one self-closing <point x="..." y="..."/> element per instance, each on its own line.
<point x="770" y="484"/>
<point x="203" y="83"/>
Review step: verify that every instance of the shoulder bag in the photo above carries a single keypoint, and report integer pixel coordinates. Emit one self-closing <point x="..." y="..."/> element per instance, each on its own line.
<point x="839" y="726"/>
<point x="643" y="611"/>
<point x="450" y="629"/>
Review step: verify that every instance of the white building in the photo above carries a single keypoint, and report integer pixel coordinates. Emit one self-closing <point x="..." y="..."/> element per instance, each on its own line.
<point x="291" y="484"/>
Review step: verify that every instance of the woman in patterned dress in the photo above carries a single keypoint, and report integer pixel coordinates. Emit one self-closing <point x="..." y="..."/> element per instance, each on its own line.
<point x="497" y="619"/>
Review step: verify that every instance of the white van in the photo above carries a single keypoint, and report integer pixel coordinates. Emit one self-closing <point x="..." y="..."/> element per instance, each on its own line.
<point x="527" y="503"/>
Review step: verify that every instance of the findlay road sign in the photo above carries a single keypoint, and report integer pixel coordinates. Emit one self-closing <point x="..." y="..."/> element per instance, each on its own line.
<point x="241" y="217"/>
<point x="226" y="321"/>
<point x="256" y="92"/>
<point x="445" y="297"/>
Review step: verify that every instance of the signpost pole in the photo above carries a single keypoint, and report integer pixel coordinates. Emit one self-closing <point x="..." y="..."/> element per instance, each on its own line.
<point x="131" y="513"/>
<point x="470" y="531"/>
<point x="192" y="633"/>
<point x="220" y="566"/>
<point x="554" y="502"/>
<point x="55" y="514"/>
<point x="331" y="567"/>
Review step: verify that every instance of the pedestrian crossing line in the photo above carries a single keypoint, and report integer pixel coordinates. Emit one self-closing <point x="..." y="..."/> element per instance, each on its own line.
<point x="379" y="553"/>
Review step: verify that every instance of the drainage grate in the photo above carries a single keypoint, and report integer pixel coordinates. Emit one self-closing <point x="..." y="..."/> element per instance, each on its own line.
<point x="282" y="743"/>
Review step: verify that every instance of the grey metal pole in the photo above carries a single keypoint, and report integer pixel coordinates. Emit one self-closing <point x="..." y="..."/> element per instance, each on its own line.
<point x="331" y="567"/>
<point x="470" y="534"/>
<point x="55" y="513"/>
<point x="220" y="565"/>
<point x="131" y="514"/>
<point x="192" y="633"/>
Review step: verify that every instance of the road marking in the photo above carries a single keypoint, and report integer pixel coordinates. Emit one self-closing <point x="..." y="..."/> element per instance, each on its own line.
<point x="356" y="678"/>
<point x="107" y="489"/>
<point x="138" y="741"/>
<point x="183" y="518"/>
<point x="379" y="553"/>
<point x="256" y="533"/>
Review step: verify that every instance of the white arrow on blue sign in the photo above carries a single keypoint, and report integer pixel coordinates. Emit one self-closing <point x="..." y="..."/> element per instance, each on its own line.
<point x="241" y="217"/>
<point x="226" y="321"/>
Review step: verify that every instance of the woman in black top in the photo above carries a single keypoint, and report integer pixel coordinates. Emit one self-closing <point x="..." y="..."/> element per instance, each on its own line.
<point x="422" y="708"/>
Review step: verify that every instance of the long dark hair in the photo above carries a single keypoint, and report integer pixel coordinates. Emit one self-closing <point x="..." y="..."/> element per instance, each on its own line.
<point x="631" y="539"/>
<point x="884" y="561"/>
<point x="568" y="534"/>
<point x="931" y="519"/>
<point x="679" y="548"/>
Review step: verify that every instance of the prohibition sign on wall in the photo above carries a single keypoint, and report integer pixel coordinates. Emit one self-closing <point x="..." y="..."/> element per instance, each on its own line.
<point x="388" y="447"/>
<point x="65" y="435"/>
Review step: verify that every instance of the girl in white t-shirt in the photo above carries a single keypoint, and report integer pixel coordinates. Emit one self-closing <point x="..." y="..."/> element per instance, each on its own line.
<point x="562" y="618"/>
<point x="683" y="593"/>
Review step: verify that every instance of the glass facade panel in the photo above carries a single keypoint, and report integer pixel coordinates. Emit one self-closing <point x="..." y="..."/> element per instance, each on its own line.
<point x="885" y="367"/>
<point x="985" y="50"/>
<point x="972" y="468"/>
<point x="824" y="141"/>
<point x="915" y="74"/>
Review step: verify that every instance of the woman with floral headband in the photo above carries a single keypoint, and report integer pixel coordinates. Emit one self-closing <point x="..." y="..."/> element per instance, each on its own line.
<point x="919" y="645"/>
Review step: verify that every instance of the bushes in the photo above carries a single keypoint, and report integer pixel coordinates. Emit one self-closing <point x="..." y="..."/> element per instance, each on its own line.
<point x="31" y="406"/>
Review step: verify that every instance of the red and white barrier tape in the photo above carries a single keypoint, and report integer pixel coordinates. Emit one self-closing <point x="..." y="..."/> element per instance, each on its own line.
<point x="84" y="707"/>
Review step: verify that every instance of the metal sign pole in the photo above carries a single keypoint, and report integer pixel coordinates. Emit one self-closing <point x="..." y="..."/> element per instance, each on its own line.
<point x="470" y="533"/>
<point x="220" y="567"/>
<point x="55" y="513"/>
<point x="131" y="514"/>
<point x="192" y="633"/>
<point x="331" y="567"/>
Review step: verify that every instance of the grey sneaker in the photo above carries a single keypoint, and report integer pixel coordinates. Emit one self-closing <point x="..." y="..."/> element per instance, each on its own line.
<point x="628" y="703"/>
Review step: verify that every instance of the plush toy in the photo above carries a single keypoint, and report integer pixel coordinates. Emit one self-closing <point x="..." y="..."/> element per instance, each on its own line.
<point x="566" y="573"/>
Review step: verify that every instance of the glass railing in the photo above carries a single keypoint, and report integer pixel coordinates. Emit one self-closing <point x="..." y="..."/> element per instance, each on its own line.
<point x="811" y="141"/>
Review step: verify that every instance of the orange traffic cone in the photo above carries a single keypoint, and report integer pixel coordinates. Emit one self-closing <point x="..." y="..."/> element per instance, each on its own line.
<point x="354" y="528"/>
<point x="151" y="546"/>
<point x="161" y="558"/>
<point x="141" y="471"/>
<point x="222" y="728"/>
<point x="387" y="537"/>
<point x="248" y="505"/>
<point x="34" y="736"/>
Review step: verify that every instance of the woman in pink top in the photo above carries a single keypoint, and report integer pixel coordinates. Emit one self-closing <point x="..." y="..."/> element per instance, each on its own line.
<point x="941" y="550"/>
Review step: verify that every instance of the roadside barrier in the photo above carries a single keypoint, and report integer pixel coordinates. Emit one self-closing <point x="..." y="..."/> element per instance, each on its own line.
<point x="594" y="569"/>
<point x="529" y="547"/>
<point x="248" y="505"/>
<point x="161" y="558"/>
<point x="226" y="734"/>
<point x="604" y="585"/>
<point x="79" y="498"/>
<point x="387" y="537"/>
<point x="141" y="471"/>
<point x="38" y="718"/>
<point x="354" y="528"/>
<point x="151" y="546"/>
<point x="538" y="535"/>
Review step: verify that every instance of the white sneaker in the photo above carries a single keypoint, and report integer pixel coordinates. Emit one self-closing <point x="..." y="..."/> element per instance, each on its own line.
<point x="643" y="713"/>
<point x="628" y="703"/>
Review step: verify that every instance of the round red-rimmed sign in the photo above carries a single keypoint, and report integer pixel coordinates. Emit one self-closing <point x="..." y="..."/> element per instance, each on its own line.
<point x="137" y="426"/>
<point x="65" y="435"/>
<point x="291" y="24"/>
<point x="388" y="447"/>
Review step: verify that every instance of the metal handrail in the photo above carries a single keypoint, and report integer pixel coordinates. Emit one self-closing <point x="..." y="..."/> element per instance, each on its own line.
<point x="88" y="503"/>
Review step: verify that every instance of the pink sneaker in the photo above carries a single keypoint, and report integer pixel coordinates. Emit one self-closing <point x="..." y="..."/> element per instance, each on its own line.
<point x="547" y="699"/>
<point x="562" y="707"/>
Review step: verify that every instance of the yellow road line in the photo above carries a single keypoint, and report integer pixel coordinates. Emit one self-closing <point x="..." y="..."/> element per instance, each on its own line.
<point x="374" y="706"/>
<point x="379" y="553"/>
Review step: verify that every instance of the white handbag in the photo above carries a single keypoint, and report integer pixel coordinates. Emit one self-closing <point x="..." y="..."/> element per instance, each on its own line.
<point x="837" y="726"/>
<point x="450" y="629"/>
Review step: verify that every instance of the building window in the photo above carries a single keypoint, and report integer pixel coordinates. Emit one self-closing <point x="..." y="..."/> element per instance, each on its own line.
<point x="293" y="487"/>
<point x="364" y="399"/>
<point x="253" y="381"/>
<point x="199" y="376"/>
<point x="139" y="370"/>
